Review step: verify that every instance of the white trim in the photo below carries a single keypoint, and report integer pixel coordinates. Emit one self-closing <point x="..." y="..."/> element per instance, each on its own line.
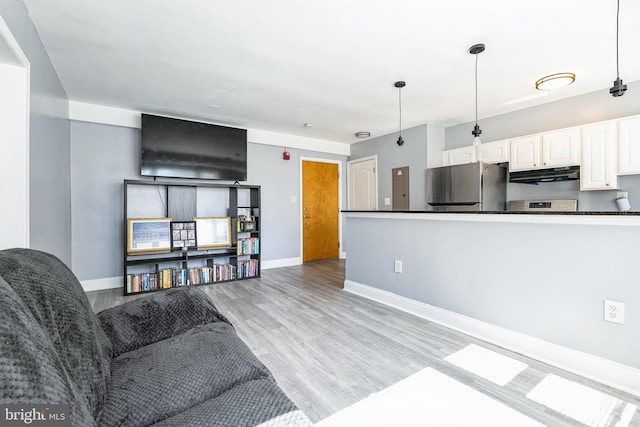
<point x="343" y="255"/>
<point x="22" y="61"/>
<point x="628" y="220"/>
<point x="283" y="262"/>
<point x="375" y="175"/>
<point x="340" y="173"/>
<point x="100" y="284"/>
<point x="608" y="372"/>
<point x="102" y="114"/>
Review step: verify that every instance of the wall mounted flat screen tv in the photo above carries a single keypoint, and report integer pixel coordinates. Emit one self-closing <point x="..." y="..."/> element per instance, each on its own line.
<point x="186" y="149"/>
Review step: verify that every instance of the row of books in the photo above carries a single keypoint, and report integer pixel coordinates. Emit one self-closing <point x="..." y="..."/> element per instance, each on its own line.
<point x="176" y="277"/>
<point x="248" y="268"/>
<point x="249" y="246"/>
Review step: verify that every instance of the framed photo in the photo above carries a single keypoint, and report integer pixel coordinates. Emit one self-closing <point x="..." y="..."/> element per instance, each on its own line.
<point x="183" y="235"/>
<point x="213" y="232"/>
<point x="148" y="235"/>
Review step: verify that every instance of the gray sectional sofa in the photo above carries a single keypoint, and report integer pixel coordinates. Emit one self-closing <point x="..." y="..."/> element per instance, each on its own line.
<point x="167" y="359"/>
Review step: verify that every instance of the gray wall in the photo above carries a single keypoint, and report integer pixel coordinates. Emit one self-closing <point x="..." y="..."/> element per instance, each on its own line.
<point x="544" y="280"/>
<point x="102" y="156"/>
<point x="578" y="110"/>
<point x="49" y="152"/>
<point x="413" y="154"/>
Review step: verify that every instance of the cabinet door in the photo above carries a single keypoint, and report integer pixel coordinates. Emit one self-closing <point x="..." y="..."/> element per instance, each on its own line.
<point x="629" y="146"/>
<point x="525" y="153"/>
<point x="561" y="148"/>
<point x="494" y="152"/>
<point x="598" y="170"/>
<point x="459" y="156"/>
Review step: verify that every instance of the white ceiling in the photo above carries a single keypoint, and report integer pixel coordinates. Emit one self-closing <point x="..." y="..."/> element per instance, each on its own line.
<point x="275" y="65"/>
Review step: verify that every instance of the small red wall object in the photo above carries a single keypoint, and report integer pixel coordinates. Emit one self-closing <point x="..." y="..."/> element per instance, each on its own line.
<point x="286" y="155"/>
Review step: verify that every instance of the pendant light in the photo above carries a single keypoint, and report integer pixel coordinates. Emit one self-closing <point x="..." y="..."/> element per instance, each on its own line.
<point x="618" y="88"/>
<point x="476" y="49"/>
<point x="400" y="85"/>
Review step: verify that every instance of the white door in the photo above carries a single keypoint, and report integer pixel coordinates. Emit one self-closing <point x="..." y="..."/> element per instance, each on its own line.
<point x="525" y="153"/>
<point x="599" y="157"/>
<point x="14" y="142"/>
<point x="363" y="184"/>
<point x="629" y="146"/>
<point x="561" y="148"/>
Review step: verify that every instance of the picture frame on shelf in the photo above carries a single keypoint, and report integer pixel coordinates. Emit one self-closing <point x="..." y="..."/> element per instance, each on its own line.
<point x="183" y="235"/>
<point x="148" y="235"/>
<point x="213" y="232"/>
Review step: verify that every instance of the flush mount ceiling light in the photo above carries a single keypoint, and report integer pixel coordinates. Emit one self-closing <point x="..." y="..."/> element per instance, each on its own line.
<point x="618" y="88"/>
<point x="555" y="81"/>
<point x="363" y="134"/>
<point x="400" y="85"/>
<point x="476" y="49"/>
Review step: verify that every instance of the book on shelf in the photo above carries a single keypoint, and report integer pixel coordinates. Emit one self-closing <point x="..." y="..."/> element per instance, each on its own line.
<point x="248" y="246"/>
<point x="178" y="277"/>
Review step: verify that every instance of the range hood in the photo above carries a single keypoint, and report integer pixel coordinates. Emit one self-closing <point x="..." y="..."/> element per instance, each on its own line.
<point x="567" y="173"/>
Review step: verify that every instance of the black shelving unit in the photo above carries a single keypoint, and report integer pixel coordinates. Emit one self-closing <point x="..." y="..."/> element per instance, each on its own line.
<point x="183" y="201"/>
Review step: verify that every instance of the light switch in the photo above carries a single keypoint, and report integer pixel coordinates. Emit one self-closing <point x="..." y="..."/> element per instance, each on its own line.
<point x="293" y="199"/>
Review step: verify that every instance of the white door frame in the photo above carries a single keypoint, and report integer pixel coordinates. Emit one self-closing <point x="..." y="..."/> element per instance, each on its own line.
<point x="14" y="173"/>
<point x="342" y="253"/>
<point x="375" y="173"/>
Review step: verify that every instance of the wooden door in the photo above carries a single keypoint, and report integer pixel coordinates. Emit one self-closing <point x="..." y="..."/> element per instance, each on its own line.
<point x="363" y="188"/>
<point x="319" y="210"/>
<point x="400" y="188"/>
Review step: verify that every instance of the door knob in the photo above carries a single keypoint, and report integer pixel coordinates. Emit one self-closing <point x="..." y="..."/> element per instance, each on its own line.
<point x="307" y="216"/>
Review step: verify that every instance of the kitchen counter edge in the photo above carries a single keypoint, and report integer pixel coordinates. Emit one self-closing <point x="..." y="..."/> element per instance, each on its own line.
<point x="591" y="217"/>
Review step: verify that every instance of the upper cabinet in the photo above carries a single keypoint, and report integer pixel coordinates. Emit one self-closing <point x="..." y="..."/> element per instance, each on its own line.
<point x="599" y="157"/>
<point x="459" y="156"/>
<point x="493" y="152"/>
<point x="525" y="153"/>
<point x="561" y="148"/>
<point x="629" y="146"/>
<point x="547" y="150"/>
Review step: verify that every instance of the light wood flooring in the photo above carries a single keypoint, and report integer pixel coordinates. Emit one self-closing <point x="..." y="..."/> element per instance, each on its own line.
<point x="328" y="349"/>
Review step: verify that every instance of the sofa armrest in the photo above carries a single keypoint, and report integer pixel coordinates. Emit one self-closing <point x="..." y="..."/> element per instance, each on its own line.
<point x="157" y="317"/>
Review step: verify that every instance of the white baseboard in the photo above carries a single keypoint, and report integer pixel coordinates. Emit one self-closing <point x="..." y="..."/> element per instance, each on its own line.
<point x="608" y="372"/>
<point x="284" y="262"/>
<point x="100" y="284"/>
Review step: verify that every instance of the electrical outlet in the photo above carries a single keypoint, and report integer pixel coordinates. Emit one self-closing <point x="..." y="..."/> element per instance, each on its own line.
<point x="397" y="266"/>
<point x="387" y="201"/>
<point x="614" y="311"/>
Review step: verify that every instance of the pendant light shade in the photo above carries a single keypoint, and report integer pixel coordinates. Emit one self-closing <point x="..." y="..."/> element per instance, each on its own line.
<point x="618" y="88"/>
<point x="400" y="85"/>
<point x="476" y="49"/>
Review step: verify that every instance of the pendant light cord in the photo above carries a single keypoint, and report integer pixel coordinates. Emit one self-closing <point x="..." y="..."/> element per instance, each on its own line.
<point x="617" y="38"/>
<point x="400" y="104"/>
<point x="476" y="89"/>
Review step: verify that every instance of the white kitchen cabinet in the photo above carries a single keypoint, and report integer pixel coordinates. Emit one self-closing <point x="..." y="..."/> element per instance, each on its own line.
<point x="459" y="156"/>
<point x="493" y="152"/>
<point x="524" y="153"/>
<point x="561" y="148"/>
<point x="629" y="146"/>
<point x="598" y="170"/>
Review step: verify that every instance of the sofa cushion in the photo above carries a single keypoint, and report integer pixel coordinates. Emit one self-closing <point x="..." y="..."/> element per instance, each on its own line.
<point x="170" y="376"/>
<point x="258" y="402"/>
<point x="157" y="317"/>
<point x="57" y="302"/>
<point x="30" y="367"/>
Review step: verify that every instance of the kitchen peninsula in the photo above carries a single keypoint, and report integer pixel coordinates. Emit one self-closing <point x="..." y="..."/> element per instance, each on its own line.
<point x="533" y="283"/>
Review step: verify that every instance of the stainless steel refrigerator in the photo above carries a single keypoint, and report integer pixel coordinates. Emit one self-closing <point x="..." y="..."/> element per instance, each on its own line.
<point x="468" y="187"/>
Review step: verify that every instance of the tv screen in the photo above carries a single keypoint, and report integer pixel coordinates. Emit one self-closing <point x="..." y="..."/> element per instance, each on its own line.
<point x="185" y="149"/>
